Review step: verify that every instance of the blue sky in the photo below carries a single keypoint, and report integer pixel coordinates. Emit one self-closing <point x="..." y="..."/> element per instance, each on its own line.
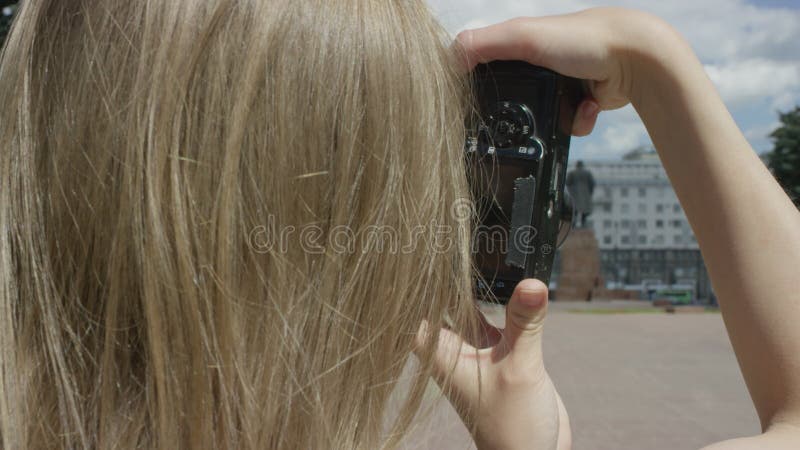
<point x="751" y="51"/>
<point x="776" y="3"/>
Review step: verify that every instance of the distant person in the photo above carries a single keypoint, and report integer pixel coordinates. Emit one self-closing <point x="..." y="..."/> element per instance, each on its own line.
<point x="580" y="183"/>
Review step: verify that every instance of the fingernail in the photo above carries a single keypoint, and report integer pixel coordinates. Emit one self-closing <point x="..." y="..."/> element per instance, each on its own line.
<point x="464" y="37"/>
<point x="531" y="299"/>
<point x="590" y="108"/>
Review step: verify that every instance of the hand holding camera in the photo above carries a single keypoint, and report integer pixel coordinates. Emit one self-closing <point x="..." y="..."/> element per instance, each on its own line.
<point x="614" y="50"/>
<point x="518" y="144"/>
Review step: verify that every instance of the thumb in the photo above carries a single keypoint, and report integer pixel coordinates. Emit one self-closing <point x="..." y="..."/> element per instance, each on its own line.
<point x="525" y="314"/>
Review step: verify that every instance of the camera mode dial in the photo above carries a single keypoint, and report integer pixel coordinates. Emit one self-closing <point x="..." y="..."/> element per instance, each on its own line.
<point x="509" y="125"/>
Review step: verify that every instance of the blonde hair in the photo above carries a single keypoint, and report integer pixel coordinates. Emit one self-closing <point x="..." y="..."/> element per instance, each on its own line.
<point x="143" y="143"/>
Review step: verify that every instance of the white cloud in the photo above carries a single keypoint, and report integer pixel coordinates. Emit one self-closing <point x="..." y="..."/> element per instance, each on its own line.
<point x="741" y="82"/>
<point x="616" y="133"/>
<point x="624" y="136"/>
<point x="758" y="136"/>
<point x="786" y="100"/>
<point x="720" y="30"/>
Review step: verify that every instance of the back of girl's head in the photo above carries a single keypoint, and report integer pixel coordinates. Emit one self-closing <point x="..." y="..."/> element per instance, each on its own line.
<point x="221" y="222"/>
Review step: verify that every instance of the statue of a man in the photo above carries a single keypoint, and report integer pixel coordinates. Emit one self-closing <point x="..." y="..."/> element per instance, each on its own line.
<point x="580" y="183"/>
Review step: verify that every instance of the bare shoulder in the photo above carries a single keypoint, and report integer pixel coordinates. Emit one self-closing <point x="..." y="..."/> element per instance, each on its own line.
<point x="778" y="437"/>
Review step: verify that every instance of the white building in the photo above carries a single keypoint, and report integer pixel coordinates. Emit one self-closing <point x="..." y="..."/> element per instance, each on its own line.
<point x="641" y="229"/>
<point x="636" y="208"/>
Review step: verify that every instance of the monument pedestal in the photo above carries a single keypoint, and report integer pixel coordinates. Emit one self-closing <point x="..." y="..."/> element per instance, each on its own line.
<point x="580" y="266"/>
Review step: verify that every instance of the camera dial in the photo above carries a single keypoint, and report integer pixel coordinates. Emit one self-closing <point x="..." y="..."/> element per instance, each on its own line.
<point x="509" y="125"/>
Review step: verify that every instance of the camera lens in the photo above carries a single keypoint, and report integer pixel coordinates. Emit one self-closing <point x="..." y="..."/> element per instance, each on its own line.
<point x="509" y="125"/>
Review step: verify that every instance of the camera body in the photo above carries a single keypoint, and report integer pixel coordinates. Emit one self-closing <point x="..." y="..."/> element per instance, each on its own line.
<point x="517" y="148"/>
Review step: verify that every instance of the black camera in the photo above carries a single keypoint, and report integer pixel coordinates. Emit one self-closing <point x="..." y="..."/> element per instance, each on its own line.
<point x="517" y="148"/>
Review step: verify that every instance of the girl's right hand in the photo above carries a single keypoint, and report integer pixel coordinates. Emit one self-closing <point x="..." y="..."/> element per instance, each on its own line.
<point x="610" y="47"/>
<point x="723" y="186"/>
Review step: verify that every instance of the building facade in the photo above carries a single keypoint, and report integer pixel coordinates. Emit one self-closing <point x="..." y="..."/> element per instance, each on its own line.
<point x="641" y="229"/>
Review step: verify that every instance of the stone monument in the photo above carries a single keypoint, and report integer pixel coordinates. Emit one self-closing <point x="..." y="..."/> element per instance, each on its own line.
<point x="580" y="266"/>
<point x="580" y="184"/>
<point x="580" y="255"/>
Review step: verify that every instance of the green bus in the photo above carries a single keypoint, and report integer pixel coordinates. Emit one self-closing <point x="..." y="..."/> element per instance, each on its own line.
<point x="676" y="296"/>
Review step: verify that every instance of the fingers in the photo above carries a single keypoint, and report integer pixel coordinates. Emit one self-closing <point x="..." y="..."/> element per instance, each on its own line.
<point x="585" y="117"/>
<point x="525" y="314"/>
<point x="566" y="44"/>
<point x="509" y="40"/>
<point x="454" y="359"/>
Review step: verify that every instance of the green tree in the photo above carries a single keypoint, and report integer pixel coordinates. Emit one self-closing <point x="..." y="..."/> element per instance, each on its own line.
<point x="784" y="160"/>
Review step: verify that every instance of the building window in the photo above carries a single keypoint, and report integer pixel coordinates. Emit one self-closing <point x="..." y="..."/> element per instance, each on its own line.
<point x="658" y="240"/>
<point x="607" y="224"/>
<point x="642" y="207"/>
<point x="623" y="192"/>
<point x="659" y="208"/>
<point x="642" y="192"/>
<point x="659" y="223"/>
<point x="626" y="240"/>
<point x="625" y="208"/>
<point x="625" y="223"/>
<point x="642" y="239"/>
<point x="676" y="207"/>
<point x="676" y="223"/>
<point x="677" y="239"/>
<point x="606" y="239"/>
<point x="607" y="207"/>
<point x="641" y="223"/>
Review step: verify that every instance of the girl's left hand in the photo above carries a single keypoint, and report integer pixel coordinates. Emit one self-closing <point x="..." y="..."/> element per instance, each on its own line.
<point x="518" y="406"/>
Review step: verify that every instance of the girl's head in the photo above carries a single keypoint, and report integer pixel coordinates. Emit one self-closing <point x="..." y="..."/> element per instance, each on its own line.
<point x="222" y="221"/>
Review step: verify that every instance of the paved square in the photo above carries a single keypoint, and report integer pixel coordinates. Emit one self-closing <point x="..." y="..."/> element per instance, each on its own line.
<point x="632" y="381"/>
